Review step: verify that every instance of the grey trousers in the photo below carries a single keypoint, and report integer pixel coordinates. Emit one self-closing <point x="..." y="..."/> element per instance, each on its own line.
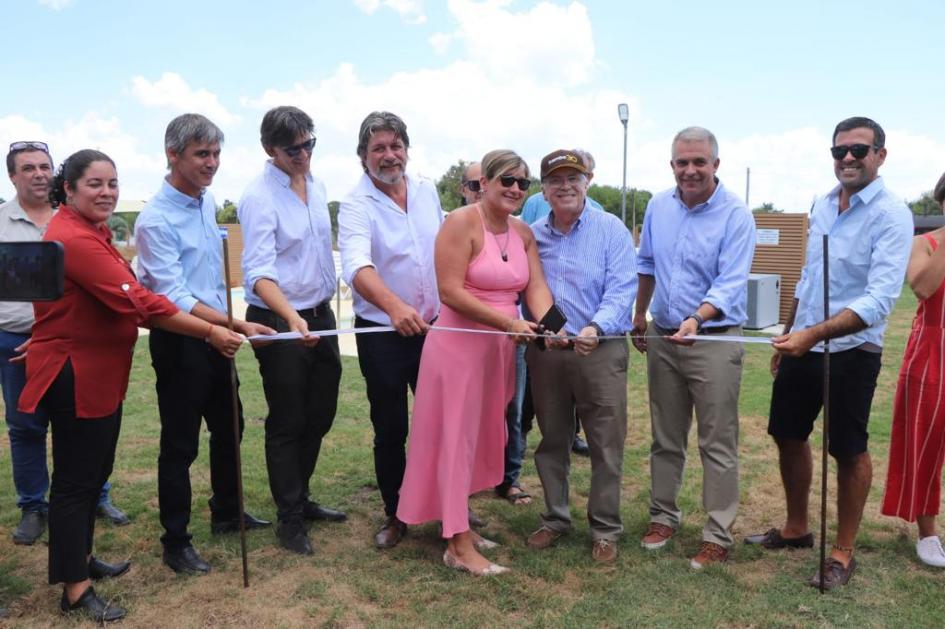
<point x="596" y="385"/>
<point x="706" y="377"/>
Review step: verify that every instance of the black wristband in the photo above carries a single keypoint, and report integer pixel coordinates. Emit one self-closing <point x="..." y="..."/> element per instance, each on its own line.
<point x="600" y="330"/>
<point x="699" y="320"/>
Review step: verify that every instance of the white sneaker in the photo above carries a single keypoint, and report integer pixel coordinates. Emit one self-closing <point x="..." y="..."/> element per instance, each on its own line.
<point x="930" y="551"/>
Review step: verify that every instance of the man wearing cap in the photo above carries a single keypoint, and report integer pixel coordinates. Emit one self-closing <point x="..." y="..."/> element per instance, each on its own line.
<point x="386" y="229"/>
<point x="180" y="255"/>
<point x="695" y="254"/>
<point x="590" y="266"/>
<point x="24" y="218"/>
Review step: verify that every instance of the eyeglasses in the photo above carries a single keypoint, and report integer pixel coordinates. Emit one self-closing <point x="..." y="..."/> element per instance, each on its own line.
<point x="472" y="186"/>
<point x="26" y="146"/>
<point x="294" y="150"/>
<point x="524" y="183"/>
<point x="859" y="151"/>
<point x="571" y="180"/>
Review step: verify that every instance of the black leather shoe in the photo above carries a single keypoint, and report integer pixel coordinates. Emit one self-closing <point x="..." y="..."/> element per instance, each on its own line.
<point x="314" y="511"/>
<point x="99" y="570"/>
<point x="185" y="560"/>
<point x="108" y="511"/>
<point x="31" y="526"/>
<point x="233" y="525"/>
<point x="390" y="533"/>
<point x="91" y="605"/>
<point x="292" y="536"/>
<point x="772" y="540"/>
<point x="579" y="446"/>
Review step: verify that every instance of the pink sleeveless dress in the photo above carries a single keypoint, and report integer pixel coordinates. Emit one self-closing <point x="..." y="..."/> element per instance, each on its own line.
<point x="458" y="432"/>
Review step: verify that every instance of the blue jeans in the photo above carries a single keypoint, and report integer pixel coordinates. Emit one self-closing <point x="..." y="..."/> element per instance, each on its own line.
<point x="27" y="433"/>
<point x="515" y="447"/>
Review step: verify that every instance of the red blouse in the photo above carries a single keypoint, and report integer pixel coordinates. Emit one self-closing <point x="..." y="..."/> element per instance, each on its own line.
<point x="95" y="323"/>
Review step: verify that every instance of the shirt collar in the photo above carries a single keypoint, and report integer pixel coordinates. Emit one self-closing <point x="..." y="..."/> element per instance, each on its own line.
<point x="366" y="188"/>
<point x="550" y="218"/>
<point x="280" y="176"/>
<point x="705" y="204"/>
<point x="178" y="198"/>
<point x="864" y="196"/>
<point x="72" y="214"/>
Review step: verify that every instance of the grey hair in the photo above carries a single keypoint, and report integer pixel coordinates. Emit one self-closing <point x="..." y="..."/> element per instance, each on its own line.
<point x="589" y="162"/>
<point x="697" y="134"/>
<point x="470" y="165"/>
<point x="282" y="126"/>
<point x="380" y="121"/>
<point x="188" y="128"/>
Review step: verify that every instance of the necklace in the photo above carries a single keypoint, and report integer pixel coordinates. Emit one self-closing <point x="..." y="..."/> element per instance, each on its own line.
<point x="503" y="249"/>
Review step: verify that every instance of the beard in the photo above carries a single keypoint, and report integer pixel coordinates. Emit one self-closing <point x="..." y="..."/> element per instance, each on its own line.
<point x="388" y="177"/>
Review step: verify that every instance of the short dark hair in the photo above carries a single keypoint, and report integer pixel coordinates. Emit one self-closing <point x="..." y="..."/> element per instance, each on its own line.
<point x="380" y="121"/>
<point x="11" y="158"/>
<point x="282" y="125"/>
<point x="859" y="122"/>
<point x="939" y="192"/>
<point x="71" y="170"/>
<point x="187" y="128"/>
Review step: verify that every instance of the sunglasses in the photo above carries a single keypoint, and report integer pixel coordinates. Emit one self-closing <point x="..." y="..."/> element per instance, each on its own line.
<point x="294" y="150"/>
<point x="524" y="183"/>
<point x="859" y="151"/>
<point x="472" y="186"/>
<point x="26" y="146"/>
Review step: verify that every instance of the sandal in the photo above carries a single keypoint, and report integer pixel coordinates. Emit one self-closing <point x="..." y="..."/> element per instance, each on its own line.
<point x="516" y="496"/>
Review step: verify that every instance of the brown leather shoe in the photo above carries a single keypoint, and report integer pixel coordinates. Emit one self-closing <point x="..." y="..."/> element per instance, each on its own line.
<point x="390" y="533"/>
<point x="604" y="550"/>
<point x="656" y="536"/>
<point x="709" y="553"/>
<point x="834" y="574"/>
<point x="542" y="538"/>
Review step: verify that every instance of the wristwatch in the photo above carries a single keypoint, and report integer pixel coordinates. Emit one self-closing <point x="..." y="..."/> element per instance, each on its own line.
<point x="699" y="320"/>
<point x="600" y="331"/>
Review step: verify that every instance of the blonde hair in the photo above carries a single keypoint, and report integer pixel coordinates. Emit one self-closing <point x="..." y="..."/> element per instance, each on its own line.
<point x="501" y="161"/>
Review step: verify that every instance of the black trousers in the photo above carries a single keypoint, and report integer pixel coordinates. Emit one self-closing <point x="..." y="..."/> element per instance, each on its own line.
<point x="83" y="452"/>
<point x="389" y="363"/>
<point x="193" y="383"/>
<point x="301" y="387"/>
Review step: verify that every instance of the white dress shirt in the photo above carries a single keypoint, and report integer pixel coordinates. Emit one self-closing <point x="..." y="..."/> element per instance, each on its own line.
<point x="374" y="231"/>
<point x="287" y="241"/>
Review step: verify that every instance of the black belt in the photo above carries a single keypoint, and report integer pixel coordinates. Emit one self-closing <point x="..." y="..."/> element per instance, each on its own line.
<point x="319" y="311"/>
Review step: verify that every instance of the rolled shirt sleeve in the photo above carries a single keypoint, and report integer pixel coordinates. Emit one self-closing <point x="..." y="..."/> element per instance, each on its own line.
<point x="354" y="237"/>
<point x="734" y="263"/>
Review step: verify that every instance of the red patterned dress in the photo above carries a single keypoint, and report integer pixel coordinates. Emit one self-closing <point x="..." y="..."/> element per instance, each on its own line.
<point x="914" y="477"/>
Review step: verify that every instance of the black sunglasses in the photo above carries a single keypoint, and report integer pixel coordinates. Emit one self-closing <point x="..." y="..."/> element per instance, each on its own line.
<point x="524" y="183"/>
<point x="859" y="151"/>
<point x="472" y="185"/>
<point x="294" y="150"/>
<point x="26" y="146"/>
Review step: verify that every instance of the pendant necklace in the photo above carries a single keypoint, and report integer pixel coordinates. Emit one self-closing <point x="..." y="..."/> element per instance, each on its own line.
<point x="503" y="249"/>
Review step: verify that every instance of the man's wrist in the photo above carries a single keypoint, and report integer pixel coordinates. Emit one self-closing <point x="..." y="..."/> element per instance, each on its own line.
<point x="600" y="330"/>
<point x="698" y="319"/>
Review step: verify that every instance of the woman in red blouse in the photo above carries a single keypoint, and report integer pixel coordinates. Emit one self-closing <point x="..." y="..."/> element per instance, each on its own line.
<point x="77" y="368"/>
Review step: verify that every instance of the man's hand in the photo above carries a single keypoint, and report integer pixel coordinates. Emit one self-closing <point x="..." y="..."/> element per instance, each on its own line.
<point x="21" y="350"/>
<point x="688" y="327"/>
<point x="586" y="341"/>
<point x="298" y="324"/>
<point x="795" y="344"/>
<point x="638" y="332"/>
<point x="248" y="329"/>
<point x="407" y="321"/>
<point x="224" y="340"/>
<point x="775" y="364"/>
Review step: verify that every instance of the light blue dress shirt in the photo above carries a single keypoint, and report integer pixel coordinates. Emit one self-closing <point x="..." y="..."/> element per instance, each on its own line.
<point x="374" y="231"/>
<point x="537" y="207"/>
<point x="180" y="251"/>
<point x="697" y="255"/>
<point x="591" y="270"/>
<point x="869" y="246"/>
<point x="287" y="240"/>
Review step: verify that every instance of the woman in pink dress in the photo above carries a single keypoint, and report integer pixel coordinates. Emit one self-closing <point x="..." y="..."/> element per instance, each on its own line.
<point x="917" y="448"/>
<point x="484" y="260"/>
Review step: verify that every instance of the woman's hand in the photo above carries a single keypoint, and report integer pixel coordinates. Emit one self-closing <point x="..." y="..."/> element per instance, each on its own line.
<point x="225" y="340"/>
<point x="21" y="350"/>
<point x="519" y="327"/>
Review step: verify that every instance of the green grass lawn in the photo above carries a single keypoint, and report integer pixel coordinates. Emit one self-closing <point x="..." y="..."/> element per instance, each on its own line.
<point x="349" y="583"/>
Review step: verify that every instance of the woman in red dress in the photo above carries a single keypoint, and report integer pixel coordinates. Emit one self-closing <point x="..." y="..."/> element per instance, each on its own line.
<point x="77" y="369"/>
<point x="914" y="478"/>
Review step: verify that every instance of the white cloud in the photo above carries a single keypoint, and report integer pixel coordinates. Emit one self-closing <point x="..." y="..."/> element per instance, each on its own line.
<point x="56" y="5"/>
<point x="440" y="42"/>
<point x="411" y="11"/>
<point x="172" y="92"/>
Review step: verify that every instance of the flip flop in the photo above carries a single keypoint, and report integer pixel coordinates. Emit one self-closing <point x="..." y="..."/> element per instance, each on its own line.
<point x="517" y="496"/>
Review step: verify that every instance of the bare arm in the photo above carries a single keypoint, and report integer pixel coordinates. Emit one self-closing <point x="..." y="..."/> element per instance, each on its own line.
<point x="222" y="339"/>
<point x="926" y="270"/>
<point x="275" y="300"/>
<point x="403" y="317"/>
<point x="645" y="288"/>
<point x="212" y="315"/>
<point x="799" y="343"/>
<point x="537" y="295"/>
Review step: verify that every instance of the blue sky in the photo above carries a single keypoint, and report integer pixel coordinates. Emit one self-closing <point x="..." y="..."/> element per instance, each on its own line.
<point x="468" y="76"/>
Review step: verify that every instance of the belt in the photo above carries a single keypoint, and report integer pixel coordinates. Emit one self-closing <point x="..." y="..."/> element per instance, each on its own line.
<point x="717" y="329"/>
<point x="319" y="311"/>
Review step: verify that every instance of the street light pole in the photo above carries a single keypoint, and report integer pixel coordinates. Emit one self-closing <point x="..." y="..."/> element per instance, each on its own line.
<point x="623" y="112"/>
